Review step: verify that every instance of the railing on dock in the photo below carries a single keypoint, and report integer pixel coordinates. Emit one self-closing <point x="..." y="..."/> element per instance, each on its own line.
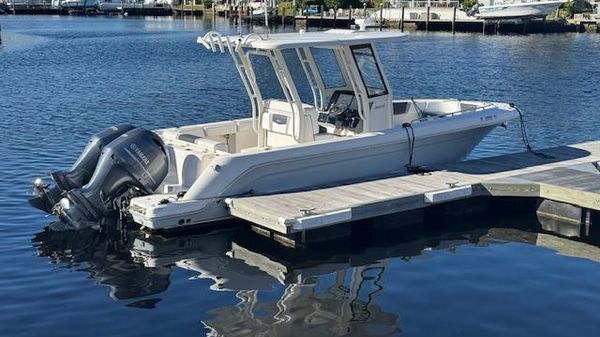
<point x="190" y="7"/>
<point x="423" y="4"/>
<point x="28" y="5"/>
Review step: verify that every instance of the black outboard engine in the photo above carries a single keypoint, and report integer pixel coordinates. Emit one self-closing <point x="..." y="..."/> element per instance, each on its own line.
<point x="132" y="165"/>
<point x="81" y="172"/>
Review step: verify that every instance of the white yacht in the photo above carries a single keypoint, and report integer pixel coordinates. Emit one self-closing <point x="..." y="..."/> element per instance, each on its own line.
<point x="259" y="7"/>
<point x="107" y="6"/>
<point x="511" y="9"/>
<point x="73" y="4"/>
<point x="350" y="129"/>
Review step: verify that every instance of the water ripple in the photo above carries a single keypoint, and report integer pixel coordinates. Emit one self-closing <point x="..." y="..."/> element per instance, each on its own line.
<point x="65" y="78"/>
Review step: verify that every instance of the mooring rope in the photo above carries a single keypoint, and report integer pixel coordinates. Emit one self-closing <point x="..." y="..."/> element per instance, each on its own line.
<point x="410" y="135"/>
<point x="417" y="107"/>
<point x="524" y="136"/>
<point x="411" y="142"/>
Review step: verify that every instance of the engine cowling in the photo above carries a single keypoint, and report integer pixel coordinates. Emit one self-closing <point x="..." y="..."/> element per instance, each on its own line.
<point x="134" y="164"/>
<point x="80" y="173"/>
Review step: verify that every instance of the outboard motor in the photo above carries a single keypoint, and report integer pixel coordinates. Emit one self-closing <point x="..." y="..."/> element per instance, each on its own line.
<point x="81" y="172"/>
<point x="132" y="165"/>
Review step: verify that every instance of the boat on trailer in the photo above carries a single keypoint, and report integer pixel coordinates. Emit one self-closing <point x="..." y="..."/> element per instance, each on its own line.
<point x="348" y="129"/>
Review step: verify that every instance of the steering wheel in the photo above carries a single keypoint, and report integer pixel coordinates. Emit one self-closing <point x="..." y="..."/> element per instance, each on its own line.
<point x="337" y="109"/>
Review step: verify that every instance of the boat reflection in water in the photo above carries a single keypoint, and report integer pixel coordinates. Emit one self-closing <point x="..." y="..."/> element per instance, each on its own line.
<point x="332" y="289"/>
<point x="106" y="257"/>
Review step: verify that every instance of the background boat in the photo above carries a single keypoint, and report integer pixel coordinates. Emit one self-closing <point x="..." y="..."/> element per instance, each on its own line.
<point x="516" y="9"/>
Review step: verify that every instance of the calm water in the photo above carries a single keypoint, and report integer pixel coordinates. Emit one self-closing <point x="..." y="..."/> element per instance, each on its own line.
<point x="62" y="79"/>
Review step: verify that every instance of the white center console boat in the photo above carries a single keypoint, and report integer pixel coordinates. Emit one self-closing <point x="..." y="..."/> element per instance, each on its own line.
<point x="350" y="129"/>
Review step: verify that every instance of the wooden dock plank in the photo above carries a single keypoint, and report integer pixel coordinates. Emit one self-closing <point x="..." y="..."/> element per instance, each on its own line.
<point x="561" y="178"/>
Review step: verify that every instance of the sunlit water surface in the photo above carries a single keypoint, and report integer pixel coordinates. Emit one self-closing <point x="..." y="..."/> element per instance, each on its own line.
<point x="64" y="78"/>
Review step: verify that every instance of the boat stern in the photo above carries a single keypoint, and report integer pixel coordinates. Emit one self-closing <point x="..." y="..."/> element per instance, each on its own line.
<point x="166" y="211"/>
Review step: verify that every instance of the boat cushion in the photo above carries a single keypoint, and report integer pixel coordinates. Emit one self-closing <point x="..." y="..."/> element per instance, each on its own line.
<point x="278" y="117"/>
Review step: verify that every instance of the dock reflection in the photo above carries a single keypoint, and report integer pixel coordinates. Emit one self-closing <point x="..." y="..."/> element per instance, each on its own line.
<point x="332" y="289"/>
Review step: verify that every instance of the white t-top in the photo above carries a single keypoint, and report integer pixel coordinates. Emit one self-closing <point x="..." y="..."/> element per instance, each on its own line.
<point x="332" y="37"/>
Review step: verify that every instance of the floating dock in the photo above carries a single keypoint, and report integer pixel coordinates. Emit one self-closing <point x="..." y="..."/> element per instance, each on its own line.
<point x="566" y="175"/>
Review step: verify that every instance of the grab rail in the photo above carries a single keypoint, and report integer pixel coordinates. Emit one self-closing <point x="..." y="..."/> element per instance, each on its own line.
<point x="455" y="113"/>
<point x="212" y="40"/>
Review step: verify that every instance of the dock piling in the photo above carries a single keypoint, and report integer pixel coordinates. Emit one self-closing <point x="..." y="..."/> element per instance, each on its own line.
<point x="381" y="17"/>
<point x="350" y="17"/>
<point x="402" y="19"/>
<point x="545" y="25"/>
<point x="454" y="21"/>
<point x="427" y="18"/>
<point x="335" y="8"/>
<point x="321" y="20"/>
<point x="306" y="18"/>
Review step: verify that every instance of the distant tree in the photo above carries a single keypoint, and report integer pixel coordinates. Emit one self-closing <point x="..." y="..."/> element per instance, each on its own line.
<point x="332" y="3"/>
<point x="353" y="3"/>
<point x="468" y="4"/>
<point x="568" y="9"/>
<point x="377" y="3"/>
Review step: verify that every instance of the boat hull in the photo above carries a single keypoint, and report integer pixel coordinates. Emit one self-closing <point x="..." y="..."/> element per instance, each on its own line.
<point x="521" y="10"/>
<point x="316" y="165"/>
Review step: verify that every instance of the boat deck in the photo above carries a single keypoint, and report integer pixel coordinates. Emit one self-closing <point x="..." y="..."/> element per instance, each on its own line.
<point x="570" y="176"/>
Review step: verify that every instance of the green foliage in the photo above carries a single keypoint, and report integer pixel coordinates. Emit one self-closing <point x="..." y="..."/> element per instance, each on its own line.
<point x="567" y="10"/>
<point x="353" y="3"/>
<point x="375" y="3"/>
<point x="468" y="4"/>
<point x="287" y="5"/>
<point x="333" y="3"/>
